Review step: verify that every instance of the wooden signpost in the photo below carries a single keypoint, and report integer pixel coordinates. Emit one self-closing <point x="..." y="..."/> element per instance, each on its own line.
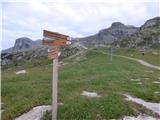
<point x="53" y="53"/>
<point x="56" y="40"/>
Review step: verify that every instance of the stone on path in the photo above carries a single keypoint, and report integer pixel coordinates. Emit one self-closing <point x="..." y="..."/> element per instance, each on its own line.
<point x="60" y="103"/>
<point x="139" y="83"/>
<point x="21" y="72"/>
<point x="135" y="79"/>
<point x="89" y="94"/>
<point x="139" y="117"/>
<point x="155" y="107"/>
<point x="149" y="71"/>
<point x="156" y="82"/>
<point x="35" y="114"/>
<point x="156" y="92"/>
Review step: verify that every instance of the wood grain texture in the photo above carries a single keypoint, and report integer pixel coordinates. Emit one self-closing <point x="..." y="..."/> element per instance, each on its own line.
<point x="54" y="42"/>
<point x="54" y="88"/>
<point x="55" y="35"/>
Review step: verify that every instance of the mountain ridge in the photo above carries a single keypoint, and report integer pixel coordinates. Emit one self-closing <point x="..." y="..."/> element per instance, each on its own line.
<point x="116" y="31"/>
<point x="117" y="35"/>
<point x="105" y="36"/>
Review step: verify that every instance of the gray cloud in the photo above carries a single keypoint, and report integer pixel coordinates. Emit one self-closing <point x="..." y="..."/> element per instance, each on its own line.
<point x="76" y="19"/>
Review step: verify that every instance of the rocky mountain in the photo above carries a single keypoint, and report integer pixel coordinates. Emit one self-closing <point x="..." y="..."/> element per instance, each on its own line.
<point x="155" y="22"/>
<point x="22" y="44"/>
<point x="147" y="36"/>
<point x="26" y="50"/>
<point x="116" y="32"/>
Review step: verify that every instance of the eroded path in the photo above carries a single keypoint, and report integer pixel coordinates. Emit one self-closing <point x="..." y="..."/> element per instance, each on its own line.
<point x="137" y="60"/>
<point x="141" y="62"/>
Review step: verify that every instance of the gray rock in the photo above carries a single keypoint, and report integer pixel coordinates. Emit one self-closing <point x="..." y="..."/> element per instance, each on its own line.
<point x="116" y="32"/>
<point x="36" y="53"/>
<point x="147" y="36"/>
<point x="151" y="23"/>
<point x="23" y="44"/>
<point x="6" y="62"/>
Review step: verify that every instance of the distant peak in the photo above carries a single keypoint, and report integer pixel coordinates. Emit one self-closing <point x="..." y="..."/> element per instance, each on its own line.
<point x="23" y="39"/>
<point x="23" y="43"/>
<point x="151" y="22"/>
<point x="117" y="24"/>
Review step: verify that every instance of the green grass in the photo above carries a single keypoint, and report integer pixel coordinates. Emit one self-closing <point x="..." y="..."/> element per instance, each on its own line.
<point x="94" y="73"/>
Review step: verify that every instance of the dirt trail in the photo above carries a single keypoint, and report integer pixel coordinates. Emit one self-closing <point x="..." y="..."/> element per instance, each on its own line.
<point x="141" y="62"/>
<point x="138" y="60"/>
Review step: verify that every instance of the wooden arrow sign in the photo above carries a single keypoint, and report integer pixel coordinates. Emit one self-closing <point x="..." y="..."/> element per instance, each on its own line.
<point x="52" y="56"/>
<point x="56" y="35"/>
<point x="54" y="42"/>
<point x="53" y="53"/>
<point x="54" y="49"/>
<point x="55" y="39"/>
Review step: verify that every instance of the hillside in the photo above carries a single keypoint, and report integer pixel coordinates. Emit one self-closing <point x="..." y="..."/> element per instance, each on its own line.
<point x="91" y="71"/>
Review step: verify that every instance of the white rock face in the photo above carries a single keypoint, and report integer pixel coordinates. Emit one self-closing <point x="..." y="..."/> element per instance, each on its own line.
<point x="35" y="114"/>
<point x="89" y="94"/>
<point x="155" y="107"/>
<point x="21" y="72"/>
<point x="139" y="83"/>
<point x="157" y="82"/>
<point x="149" y="71"/>
<point x="156" y="92"/>
<point x="140" y="117"/>
<point x="135" y="79"/>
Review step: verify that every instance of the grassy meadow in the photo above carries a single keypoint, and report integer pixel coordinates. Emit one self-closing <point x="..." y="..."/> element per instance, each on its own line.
<point x="93" y="71"/>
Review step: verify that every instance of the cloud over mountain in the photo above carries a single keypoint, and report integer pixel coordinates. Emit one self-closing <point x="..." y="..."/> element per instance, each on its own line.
<point x="77" y="19"/>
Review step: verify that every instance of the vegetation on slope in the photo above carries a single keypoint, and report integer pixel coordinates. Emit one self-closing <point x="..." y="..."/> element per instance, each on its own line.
<point x="92" y="71"/>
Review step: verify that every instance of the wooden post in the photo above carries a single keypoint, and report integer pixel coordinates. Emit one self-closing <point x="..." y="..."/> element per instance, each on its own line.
<point x="54" y="39"/>
<point x="54" y="88"/>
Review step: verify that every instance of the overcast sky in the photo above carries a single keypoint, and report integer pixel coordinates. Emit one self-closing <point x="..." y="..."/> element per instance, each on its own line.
<point x="75" y="18"/>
